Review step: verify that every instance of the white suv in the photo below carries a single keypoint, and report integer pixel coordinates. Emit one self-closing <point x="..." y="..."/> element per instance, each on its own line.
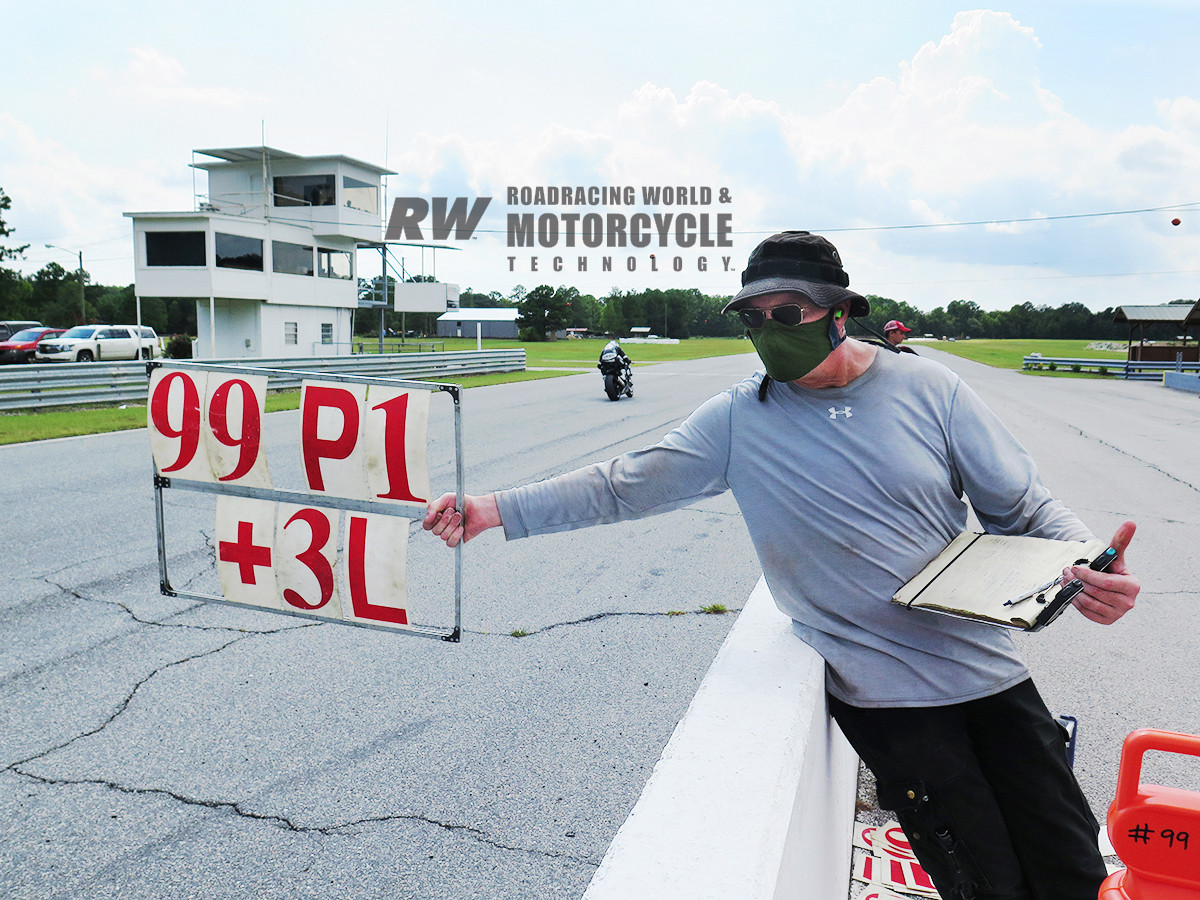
<point x="85" y="343"/>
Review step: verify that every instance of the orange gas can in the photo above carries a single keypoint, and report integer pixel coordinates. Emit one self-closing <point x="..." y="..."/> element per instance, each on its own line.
<point x="1155" y="830"/>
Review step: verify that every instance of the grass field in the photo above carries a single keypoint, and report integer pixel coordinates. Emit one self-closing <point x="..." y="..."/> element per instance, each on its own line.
<point x="1008" y="354"/>
<point x="582" y="354"/>
<point x="566" y="355"/>
<point x="40" y="426"/>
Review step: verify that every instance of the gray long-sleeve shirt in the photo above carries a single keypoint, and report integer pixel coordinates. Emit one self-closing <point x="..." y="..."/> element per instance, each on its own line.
<point x="847" y="492"/>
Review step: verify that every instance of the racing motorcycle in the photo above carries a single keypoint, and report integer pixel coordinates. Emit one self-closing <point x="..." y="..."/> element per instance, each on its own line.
<point x="618" y="378"/>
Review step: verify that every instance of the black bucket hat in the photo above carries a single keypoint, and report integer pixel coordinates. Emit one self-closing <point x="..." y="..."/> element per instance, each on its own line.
<point x="802" y="262"/>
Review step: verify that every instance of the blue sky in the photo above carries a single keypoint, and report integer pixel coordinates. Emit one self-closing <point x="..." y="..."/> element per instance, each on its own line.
<point x="883" y="124"/>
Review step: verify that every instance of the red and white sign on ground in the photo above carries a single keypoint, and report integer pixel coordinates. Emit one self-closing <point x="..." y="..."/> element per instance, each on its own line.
<point x="874" y="892"/>
<point x="337" y="547"/>
<point x="888" y="865"/>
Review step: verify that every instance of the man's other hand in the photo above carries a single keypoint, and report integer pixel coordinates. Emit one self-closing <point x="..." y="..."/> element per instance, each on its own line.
<point x="1107" y="595"/>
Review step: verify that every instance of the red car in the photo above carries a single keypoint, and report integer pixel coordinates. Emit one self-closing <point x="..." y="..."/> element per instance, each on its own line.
<point x="20" y="347"/>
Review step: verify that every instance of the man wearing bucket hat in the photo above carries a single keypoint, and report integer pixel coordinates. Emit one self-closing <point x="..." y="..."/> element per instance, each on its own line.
<point x="849" y="465"/>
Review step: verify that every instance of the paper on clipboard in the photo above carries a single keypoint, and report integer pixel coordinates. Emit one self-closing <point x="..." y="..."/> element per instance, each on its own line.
<point x="977" y="573"/>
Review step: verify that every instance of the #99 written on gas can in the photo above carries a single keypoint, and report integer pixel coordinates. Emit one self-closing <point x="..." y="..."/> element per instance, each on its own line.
<point x="357" y="442"/>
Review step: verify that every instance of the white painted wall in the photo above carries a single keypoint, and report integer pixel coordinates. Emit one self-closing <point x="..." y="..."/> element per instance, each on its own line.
<point x="263" y="325"/>
<point x="753" y="797"/>
<point x="308" y="325"/>
<point x="237" y="322"/>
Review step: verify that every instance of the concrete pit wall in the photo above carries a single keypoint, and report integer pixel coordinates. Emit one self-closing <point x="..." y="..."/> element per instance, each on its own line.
<point x="753" y="796"/>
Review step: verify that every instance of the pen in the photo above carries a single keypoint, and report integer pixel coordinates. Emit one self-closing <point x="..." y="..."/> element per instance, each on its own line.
<point x="1037" y="590"/>
<point x="1072" y="587"/>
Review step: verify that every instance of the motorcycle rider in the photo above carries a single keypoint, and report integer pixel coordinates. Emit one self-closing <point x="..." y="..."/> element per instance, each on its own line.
<point x="612" y="357"/>
<point x="612" y="352"/>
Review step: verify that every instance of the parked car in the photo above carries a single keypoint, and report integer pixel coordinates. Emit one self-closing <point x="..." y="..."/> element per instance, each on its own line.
<point x="20" y="347"/>
<point x="9" y="327"/>
<point x="152" y="345"/>
<point x="85" y="343"/>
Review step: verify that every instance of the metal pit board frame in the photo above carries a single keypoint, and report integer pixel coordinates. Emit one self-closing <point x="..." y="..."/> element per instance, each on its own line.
<point x="162" y="483"/>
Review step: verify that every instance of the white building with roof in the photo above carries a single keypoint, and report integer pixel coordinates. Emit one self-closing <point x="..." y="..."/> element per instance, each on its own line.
<point x="269" y="253"/>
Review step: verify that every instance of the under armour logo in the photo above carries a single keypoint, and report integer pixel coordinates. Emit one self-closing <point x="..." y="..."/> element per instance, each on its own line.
<point x="834" y="412"/>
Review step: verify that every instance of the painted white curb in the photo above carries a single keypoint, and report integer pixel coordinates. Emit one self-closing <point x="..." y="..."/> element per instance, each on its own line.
<point x="753" y="797"/>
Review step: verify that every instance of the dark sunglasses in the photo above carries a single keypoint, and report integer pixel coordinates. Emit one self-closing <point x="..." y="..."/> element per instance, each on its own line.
<point x="792" y="314"/>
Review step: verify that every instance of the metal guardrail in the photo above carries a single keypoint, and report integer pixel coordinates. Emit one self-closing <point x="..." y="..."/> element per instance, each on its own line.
<point x="371" y="345"/>
<point x="51" y="385"/>
<point x="1119" y="368"/>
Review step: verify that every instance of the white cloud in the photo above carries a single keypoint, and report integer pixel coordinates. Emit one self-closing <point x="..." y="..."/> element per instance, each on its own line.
<point x="963" y="130"/>
<point x="1181" y="114"/>
<point x="60" y="197"/>
<point x="155" y="78"/>
<point x="966" y="110"/>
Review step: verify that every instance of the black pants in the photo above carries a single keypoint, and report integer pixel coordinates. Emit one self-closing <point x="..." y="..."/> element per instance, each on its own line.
<point x="984" y="794"/>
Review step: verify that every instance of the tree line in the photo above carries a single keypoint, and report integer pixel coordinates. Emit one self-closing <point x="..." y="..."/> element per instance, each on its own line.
<point x="51" y="296"/>
<point x="686" y="312"/>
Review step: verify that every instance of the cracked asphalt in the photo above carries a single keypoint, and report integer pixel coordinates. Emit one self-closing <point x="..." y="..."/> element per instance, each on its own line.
<point x="165" y="748"/>
<point x="162" y="748"/>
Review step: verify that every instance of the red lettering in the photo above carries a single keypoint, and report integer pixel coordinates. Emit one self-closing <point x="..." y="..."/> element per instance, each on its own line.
<point x="319" y="530"/>
<point x="363" y="607"/>
<point x="314" y="448"/>
<point x="245" y="553"/>
<point x="189" y="428"/>
<point x="396" y="413"/>
<point x="921" y="878"/>
<point x="251" y="436"/>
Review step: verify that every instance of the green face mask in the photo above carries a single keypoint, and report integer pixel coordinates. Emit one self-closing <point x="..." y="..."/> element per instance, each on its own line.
<point x="791" y="352"/>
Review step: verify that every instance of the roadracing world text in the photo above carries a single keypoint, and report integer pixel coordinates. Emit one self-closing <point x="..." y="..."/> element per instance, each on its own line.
<point x="684" y="218"/>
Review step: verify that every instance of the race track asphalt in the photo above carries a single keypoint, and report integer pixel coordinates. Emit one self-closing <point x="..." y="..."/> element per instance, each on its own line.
<point x="160" y="748"/>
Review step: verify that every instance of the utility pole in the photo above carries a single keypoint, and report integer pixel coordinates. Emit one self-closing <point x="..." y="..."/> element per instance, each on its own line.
<point x="82" y="298"/>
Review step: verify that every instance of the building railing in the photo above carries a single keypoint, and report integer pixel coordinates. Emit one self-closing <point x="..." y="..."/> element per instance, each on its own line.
<point x="369" y="345"/>
<point x="53" y="385"/>
<point x="1119" y="368"/>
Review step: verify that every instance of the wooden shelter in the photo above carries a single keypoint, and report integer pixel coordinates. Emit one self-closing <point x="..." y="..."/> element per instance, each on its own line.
<point x="1173" y="318"/>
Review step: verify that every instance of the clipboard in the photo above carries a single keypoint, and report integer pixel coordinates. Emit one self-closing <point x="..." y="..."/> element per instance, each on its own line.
<point x="1012" y="581"/>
